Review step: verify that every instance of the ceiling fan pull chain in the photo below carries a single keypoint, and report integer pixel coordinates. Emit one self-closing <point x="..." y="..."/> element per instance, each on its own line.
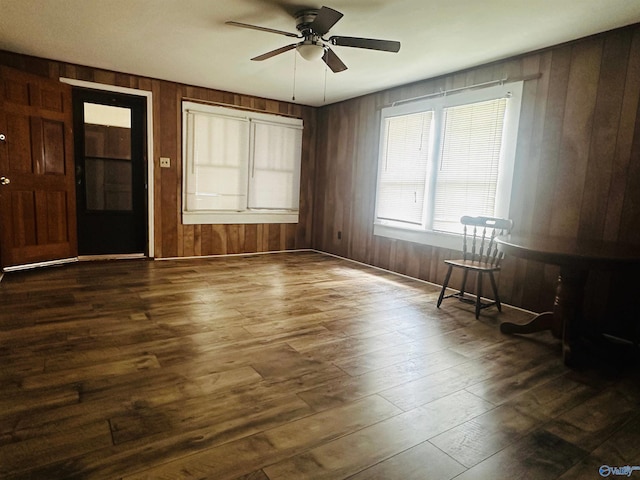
<point x="295" y="63"/>
<point x="324" y="98"/>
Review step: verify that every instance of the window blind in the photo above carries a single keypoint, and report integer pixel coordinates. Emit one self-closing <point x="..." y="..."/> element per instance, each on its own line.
<point x="467" y="175"/>
<point x="275" y="167"/>
<point x="218" y="159"/>
<point x="403" y="169"/>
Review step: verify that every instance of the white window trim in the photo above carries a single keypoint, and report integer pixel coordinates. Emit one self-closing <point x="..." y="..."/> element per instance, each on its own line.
<point x="249" y="216"/>
<point x="453" y="241"/>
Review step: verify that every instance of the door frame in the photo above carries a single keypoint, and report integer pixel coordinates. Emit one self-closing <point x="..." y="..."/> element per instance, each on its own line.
<point x="150" y="152"/>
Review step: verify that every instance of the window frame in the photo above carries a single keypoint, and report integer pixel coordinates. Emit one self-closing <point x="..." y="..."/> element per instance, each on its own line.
<point x="424" y="234"/>
<point x="247" y="215"/>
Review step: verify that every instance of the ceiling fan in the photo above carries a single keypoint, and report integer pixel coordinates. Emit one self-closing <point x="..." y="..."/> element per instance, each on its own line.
<point x="313" y="24"/>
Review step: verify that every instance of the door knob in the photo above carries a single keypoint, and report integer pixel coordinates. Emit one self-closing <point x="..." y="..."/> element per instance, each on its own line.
<point x="2" y="137"/>
<point x="4" y="181"/>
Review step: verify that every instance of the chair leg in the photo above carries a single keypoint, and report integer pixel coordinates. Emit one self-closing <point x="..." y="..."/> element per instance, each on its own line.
<point x="495" y="291"/>
<point x="479" y="294"/>
<point x="464" y="282"/>
<point x="444" y="285"/>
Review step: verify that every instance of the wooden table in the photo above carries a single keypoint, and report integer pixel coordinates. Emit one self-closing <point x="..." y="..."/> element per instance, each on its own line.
<point x="575" y="259"/>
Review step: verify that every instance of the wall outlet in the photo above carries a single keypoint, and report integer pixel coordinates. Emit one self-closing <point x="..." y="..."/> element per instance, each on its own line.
<point x="165" y="162"/>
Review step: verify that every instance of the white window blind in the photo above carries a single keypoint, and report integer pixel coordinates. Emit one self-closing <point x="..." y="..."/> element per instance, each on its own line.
<point x="218" y="148"/>
<point x="275" y="173"/>
<point x="467" y="177"/>
<point x="403" y="173"/>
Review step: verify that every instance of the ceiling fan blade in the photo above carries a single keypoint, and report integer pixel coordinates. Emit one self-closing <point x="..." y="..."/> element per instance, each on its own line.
<point x="332" y="61"/>
<point x="370" y="43"/>
<point x="275" y="52"/>
<point x="263" y="29"/>
<point x="326" y="18"/>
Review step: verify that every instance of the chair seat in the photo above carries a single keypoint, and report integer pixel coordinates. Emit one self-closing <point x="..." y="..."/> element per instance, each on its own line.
<point x="473" y="265"/>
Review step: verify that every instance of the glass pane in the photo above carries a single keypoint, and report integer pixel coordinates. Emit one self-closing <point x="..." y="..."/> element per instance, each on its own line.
<point x="108" y="184"/>
<point x="468" y="171"/>
<point x="403" y="173"/>
<point x="108" y="170"/>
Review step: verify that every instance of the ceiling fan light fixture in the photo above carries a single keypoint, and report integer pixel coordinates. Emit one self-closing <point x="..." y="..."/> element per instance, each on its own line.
<point x="311" y="50"/>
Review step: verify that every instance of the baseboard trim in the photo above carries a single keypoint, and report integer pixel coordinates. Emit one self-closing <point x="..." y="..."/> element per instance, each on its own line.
<point x="248" y="254"/>
<point x="412" y="278"/>
<point x="115" y="256"/>
<point x="50" y="263"/>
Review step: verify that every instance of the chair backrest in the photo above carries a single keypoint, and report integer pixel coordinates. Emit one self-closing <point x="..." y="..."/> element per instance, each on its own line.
<point x="478" y="242"/>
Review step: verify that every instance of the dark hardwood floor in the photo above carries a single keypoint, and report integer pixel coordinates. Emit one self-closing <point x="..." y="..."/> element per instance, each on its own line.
<point x="289" y="366"/>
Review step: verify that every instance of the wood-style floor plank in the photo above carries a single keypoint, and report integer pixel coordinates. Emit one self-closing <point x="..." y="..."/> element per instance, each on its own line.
<point x="362" y="449"/>
<point x="288" y="366"/>
<point x="417" y="463"/>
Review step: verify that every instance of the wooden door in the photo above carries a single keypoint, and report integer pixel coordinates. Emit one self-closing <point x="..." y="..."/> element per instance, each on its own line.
<point x="37" y="190"/>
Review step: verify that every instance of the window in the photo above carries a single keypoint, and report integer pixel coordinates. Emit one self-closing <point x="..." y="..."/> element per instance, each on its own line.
<point x="445" y="157"/>
<point x="240" y="166"/>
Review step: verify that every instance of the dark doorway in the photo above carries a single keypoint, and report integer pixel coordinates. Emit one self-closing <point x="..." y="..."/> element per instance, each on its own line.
<point x="111" y="185"/>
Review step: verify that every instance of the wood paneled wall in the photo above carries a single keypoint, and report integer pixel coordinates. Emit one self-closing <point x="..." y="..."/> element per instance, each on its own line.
<point x="577" y="166"/>
<point x="172" y="238"/>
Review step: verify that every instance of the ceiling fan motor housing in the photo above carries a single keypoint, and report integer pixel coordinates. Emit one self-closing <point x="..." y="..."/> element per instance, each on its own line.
<point x="304" y="19"/>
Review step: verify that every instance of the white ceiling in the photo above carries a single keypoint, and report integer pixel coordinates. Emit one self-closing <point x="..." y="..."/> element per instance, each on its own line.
<point x="187" y="41"/>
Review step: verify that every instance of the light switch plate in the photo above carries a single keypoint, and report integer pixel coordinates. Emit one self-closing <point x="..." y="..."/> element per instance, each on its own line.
<point x="165" y="162"/>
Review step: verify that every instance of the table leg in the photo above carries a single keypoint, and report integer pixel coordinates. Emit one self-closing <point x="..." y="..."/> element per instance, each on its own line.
<point x="567" y="313"/>
<point x="564" y="321"/>
<point x="539" y="323"/>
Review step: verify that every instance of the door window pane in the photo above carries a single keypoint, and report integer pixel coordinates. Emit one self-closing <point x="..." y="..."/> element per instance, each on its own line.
<point x="108" y="169"/>
<point x="108" y="184"/>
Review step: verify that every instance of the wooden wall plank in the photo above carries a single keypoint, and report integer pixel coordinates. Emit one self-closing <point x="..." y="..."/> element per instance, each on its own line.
<point x="206" y="240"/>
<point x="218" y="240"/>
<point x="606" y="123"/>
<point x="168" y="176"/>
<point x="250" y="238"/>
<point x="235" y="238"/>
<point x="157" y="172"/>
<point x="624" y="141"/>
<point x="629" y="231"/>
<point x="576" y="133"/>
<point x="188" y="241"/>
<point x="290" y="239"/>
<point x="274" y="237"/>
<point x="321" y="180"/>
<point x="366" y="156"/>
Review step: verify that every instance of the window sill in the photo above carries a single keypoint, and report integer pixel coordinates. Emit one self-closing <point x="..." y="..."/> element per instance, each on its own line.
<point x="203" y="218"/>
<point x="435" y="239"/>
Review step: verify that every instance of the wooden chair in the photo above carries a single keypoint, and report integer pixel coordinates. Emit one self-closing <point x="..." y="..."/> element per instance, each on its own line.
<point x="479" y="254"/>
